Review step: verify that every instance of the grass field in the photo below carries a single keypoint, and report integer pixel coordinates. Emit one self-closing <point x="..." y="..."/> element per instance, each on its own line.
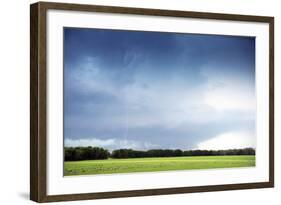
<point x="110" y="166"/>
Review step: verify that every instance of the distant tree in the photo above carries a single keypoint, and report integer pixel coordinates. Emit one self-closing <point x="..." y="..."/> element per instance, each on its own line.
<point x="85" y="153"/>
<point x="96" y="153"/>
<point x="178" y="153"/>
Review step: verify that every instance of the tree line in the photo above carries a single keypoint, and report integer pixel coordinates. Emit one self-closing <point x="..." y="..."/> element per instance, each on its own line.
<point x="85" y="153"/>
<point x="96" y="153"/>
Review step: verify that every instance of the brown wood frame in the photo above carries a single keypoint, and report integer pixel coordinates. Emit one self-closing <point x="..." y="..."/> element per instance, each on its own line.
<point x="38" y="96"/>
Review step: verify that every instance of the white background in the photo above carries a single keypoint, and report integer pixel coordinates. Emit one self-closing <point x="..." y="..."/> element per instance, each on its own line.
<point x="57" y="184"/>
<point x="14" y="103"/>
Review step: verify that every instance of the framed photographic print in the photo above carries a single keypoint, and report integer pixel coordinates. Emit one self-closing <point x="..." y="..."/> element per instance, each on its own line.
<point x="135" y="102"/>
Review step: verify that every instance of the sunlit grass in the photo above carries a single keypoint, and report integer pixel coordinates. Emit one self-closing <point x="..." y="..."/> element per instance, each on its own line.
<point x="110" y="166"/>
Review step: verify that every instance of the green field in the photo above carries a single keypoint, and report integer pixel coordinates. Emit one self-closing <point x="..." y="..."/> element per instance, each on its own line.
<point x="110" y="166"/>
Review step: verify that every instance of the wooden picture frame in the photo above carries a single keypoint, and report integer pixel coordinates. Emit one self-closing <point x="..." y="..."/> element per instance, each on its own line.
<point x="39" y="95"/>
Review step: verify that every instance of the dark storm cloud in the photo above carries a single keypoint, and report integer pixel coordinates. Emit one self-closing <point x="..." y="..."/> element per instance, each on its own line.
<point x="150" y="89"/>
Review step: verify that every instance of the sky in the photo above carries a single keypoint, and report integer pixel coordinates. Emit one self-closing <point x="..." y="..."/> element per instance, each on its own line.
<point x="156" y="90"/>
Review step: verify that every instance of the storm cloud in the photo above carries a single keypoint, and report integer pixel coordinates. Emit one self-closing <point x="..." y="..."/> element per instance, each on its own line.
<point x="144" y="90"/>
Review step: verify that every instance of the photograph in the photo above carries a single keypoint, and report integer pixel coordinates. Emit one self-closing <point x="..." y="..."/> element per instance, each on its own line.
<point x="131" y="101"/>
<point x="147" y="101"/>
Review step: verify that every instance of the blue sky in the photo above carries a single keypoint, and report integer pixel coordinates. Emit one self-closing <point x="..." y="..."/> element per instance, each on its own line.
<point x="150" y="90"/>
